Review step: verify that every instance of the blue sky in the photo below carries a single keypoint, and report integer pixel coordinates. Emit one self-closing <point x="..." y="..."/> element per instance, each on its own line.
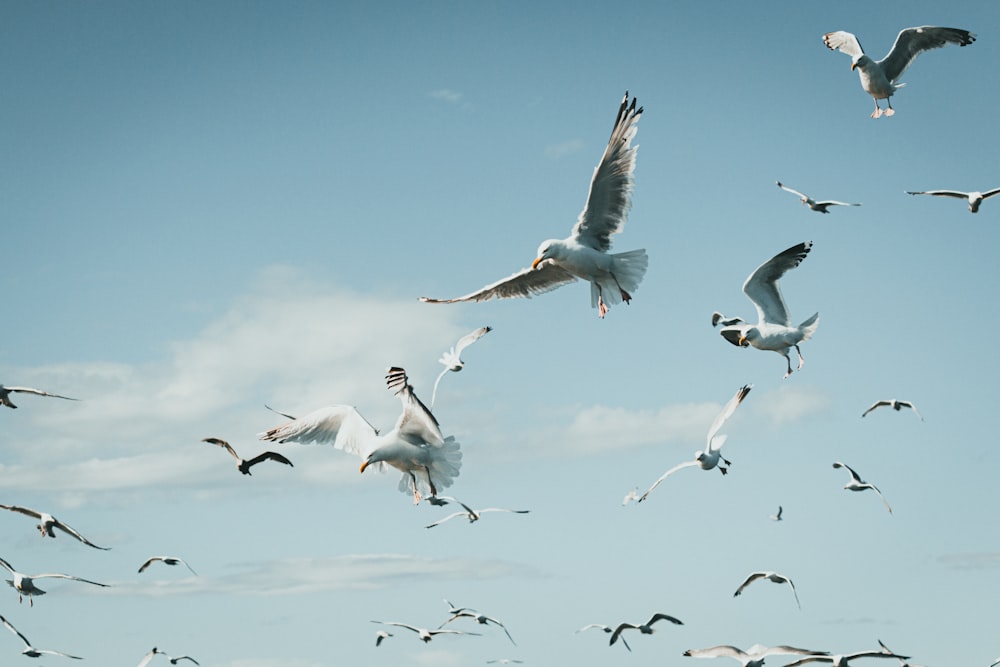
<point x="210" y="207"/>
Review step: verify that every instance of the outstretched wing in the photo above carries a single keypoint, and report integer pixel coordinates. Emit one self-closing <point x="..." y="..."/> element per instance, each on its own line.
<point x="264" y="456"/>
<point x="610" y="195"/>
<point x="339" y="425"/>
<point x="846" y="42"/>
<point x="856" y="476"/>
<point x="70" y="531"/>
<point x="832" y="202"/>
<point x="727" y="412"/>
<point x="876" y="404"/>
<point x="788" y="189"/>
<point x="911" y="42"/>
<point x="38" y="392"/>
<point x="749" y="580"/>
<point x="686" y="464"/>
<point x="942" y="193"/>
<point x="717" y="652"/>
<point x="222" y="443"/>
<point x="470" y="338"/>
<point x="440" y="521"/>
<point x="14" y="630"/>
<point x="416" y="424"/>
<point x="526" y="283"/>
<point x="762" y="285"/>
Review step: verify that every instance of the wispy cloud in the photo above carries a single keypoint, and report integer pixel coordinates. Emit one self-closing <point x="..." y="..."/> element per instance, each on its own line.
<point x="556" y="151"/>
<point x="446" y="95"/>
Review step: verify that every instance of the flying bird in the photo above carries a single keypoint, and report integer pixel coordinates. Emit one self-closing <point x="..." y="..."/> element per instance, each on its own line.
<point x="752" y="657"/>
<point x="858" y="484"/>
<point x="645" y="628"/>
<point x="879" y="78"/>
<point x="606" y="628"/>
<point x="149" y="656"/>
<point x="975" y="199"/>
<point x="244" y="465"/>
<point x="505" y="661"/>
<point x="482" y="619"/>
<point x="452" y="359"/>
<point x="820" y="206"/>
<point x="584" y="253"/>
<point x="893" y="403"/>
<point x="843" y="660"/>
<point x="473" y="515"/>
<point x="25" y="583"/>
<point x="166" y="560"/>
<point x="381" y="636"/>
<point x="902" y="662"/>
<point x="5" y="393"/>
<point x="774" y="330"/>
<point x="424" y="634"/>
<point x="30" y="650"/>
<point x="414" y="446"/>
<point x="46" y="522"/>
<point x="174" y="661"/>
<point x="709" y="457"/>
<point x="777" y="517"/>
<point x="630" y="496"/>
<point x="770" y="576"/>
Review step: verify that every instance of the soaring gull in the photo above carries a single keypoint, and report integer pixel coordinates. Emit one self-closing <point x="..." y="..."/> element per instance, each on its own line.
<point x="244" y="465"/>
<point x="414" y="446"/>
<point x="709" y="457"/>
<point x="777" y="517"/>
<point x="645" y="628"/>
<point x="902" y="662"/>
<point x="24" y="584"/>
<point x="752" y="657"/>
<point x="30" y="650"/>
<point x="584" y="253"/>
<point x="473" y="515"/>
<point x="820" y="206"/>
<point x="878" y="78"/>
<point x="482" y="619"/>
<point x="146" y="659"/>
<point x="774" y="330"/>
<point x="770" y="576"/>
<point x="892" y="403"/>
<point x="46" y="522"/>
<point x="452" y="359"/>
<point x="424" y="634"/>
<point x="166" y="560"/>
<point x="5" y="393"/>
<point x="843" y="660"/>
<point x="858" y="484"/>
<point x="606" y="628"/>
<point x="974" y="198"/>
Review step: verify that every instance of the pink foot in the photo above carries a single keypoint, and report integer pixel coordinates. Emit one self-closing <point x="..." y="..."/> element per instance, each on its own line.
<point x="877" y="113"/>
<point x="602" y="308"/>
<point x="890" y="111"/>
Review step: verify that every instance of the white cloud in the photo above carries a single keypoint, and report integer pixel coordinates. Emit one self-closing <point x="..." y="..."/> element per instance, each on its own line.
<point x="556" y="151"/>
<point x="446" y="95"/>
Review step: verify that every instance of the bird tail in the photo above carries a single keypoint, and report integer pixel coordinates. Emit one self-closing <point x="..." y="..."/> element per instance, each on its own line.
<point x="808" y="328"/>
<point x="628" y="269"/>
<point x="446" y="461"/>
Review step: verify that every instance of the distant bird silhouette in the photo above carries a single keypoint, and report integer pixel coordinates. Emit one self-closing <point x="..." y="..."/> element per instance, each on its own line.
<point x="482" y="619"/>
<point x="149" y="656"/>
<point x="752" y="657"/>
<point x="5" y="393"/>
<point x="46" y="522"/>
<point x="452" y="359"/>
<point x="606" y="628"/>
<point x="858" y="484"/>
<point x="975" y="199"/>
<point x="24" y="584"/>
<point x="30" y="650"/>
<point x="473" y="515"/>
<point x="166" y="560"/>
<point x="381" y="636"/>
<point x="843" y="660"/>
<point x="895" y="405"/>
<point x="645" y="628"/>
<point x="174" y="661"/>
<point x="820" y="206"/>
<point x="425" y="635"/>
<point x="770" y="576"/>
<point x="245" y="465"/>
<point x="777" y="517"/>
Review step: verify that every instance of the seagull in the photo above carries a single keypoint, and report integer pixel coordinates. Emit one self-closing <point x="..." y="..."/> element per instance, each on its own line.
<point x="473" y="515"/>
<point x="244" y="465"/>
<point x="482" y="619"/>
<point x="505" y="661"/>
<point x="452" y="359"/>
<point x="584" y="254"/>
<point x="174" y="661"/>
<point x="25" y="584"/>
<point x="46" y="522"/>
<point x="149" y="656"/>
<point x="894" y="404"/>
<point x="777" y="517"/>
<point x="752" y="657"/>
<point x="709" y="457"/>
<point x="30" y="650"/>
<point x="414" y="446"/>
<point x="424" y="634"/>
<point x="974" y="198"/>
<point x="878" y="78"/>
<point x="770" y="576"/>
<point x="842" y="660"/>
<point x="5" y="393"/>
<point x="645" y="628"/>
<point x="166" y="560"/>
<point x="630" y="496"/>
<point x="820" y="206"/>
<point x="902" y="662"/>
<point x="858" y="484"/>
<point x="381" y="636"/>
<point x="606" y="628"/>
<point x="773" y="330"/>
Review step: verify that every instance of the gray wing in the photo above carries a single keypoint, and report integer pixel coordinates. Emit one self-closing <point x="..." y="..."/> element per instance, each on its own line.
<point x="749" y="580"/>
<point x="912" y="407"/>
<point x="832" y="202"/>
<point x="876" y="404"/>
<point x="339" y="425"/>
<point x="762" y="285"/>
<point x="14" y="630"/>
<point x="416" y="424"/>
<point x="943" y="193"/>
<point x="843" y="41"/>
<point x="440" y="521"/>
<point x="911" y="42"/>
<point x="856" y="476"/>
<point x="59" y="575"/>
<point x="22" y="510"/>
<point x="222" y="443"/>
<point x="69" y="531"/>
<point x="526" y="283"/>
<point x="610" y="195"/>
<point x="990" y="193"/>
<point x="717" y="652"/>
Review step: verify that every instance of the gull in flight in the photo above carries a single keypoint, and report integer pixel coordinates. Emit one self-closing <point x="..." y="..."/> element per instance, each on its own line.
<point x="584" y="254"/>
<point x="645" y="628"/>
<point x="473" y="515"/>
<point x="820" y="206"/>
<point x="452" y="359"/>
<point x="424" y="634"/>
<point x="25" y="583"/>
<point x="482" y="619"/>
<point x="774" y="330"/>
<point x="894" y="404"/>
<point x="974" y="198"/>
<point x="166" y="560"/>
<point x="30" y="650"/>
<point x="174" y="661"/>
<point x="709" y="457"/>
<point x="46" y="522"/>
<point x="244" y="465"/>
<point x="606" y="628"/>
<point x="149" y="656"/>
<point x="752" y="657"/>
<point x="5" y="393"/>
<point x="843" y="660"/>
<point x="777" y="517"/>
<point x="770" y="576"/>
<point x="902" y="662"/>
<point x="858" y="484"/>
<point x="414" y="446"/>
<point x="381" y="636"/>
<point x="630" y="496"/>
<point x="878" y="78"/>
<point x="504" y="661"/>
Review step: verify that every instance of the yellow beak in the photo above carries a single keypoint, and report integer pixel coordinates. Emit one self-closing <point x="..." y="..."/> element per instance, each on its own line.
<point x="854" y="66"/>
<point x="537" y="261"/>
<point x="364" y="464"/>
<point x="742" y="341"/>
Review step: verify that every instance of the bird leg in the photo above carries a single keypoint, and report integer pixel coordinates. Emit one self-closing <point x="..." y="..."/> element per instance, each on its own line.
<point x="725" y="471"/>
<point x="801" y="360"/>
<point x="888" y="107"/>
<point x="878" y="110"/>
<point x="602" y="308"/>
<point x="416" y="491"/>
<point x="789" y="360"/>
<point x="626" y="297"/>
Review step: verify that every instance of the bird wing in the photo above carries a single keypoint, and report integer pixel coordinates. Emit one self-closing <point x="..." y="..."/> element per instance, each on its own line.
<point x="59" y="575"/>
<point x="416" y="424"/>
<point x="149" y="561"/>
<point x="59" y="653"/>
<point x="990" y="193"/>
<point x="734" y="333"/>
<point x="15" y="631"/>
<point x="38" y="392"/>
<point x="749" y="580"/>
<point x="440" y="521"/>
<point x="794" y="593"/>
<point x="727" y="412"/>
<point x="788" y="189"/>
<point x="686" y="464"/>
<point x="832" y="202"/>
<point x="174" y="661"/>
<point x="884" y="501"/>
<point x="856" y="476"/>
<point x="502" y="509"/>
<point x="810" y="658"/>
<point x="911" y="42"/>
<point x="470" y="338"/>
<point x="876" y="404"/>
<point x="222" y="443"/>
<point x="723" y="651"/>
<point x="758" y="651"/>
<point x="618" y="631"/>
<point x="278" y="412"/>
<point x="264" y="456"/>
<point x="762" y="285"/>
<point x="526" y="283"/>
<point x="69" y="531"/>
<point x="610" y="195"/>
<point x="912" y="407"/>
<point x="595" y="625"/>
<point x="339" y="425"/>
<point x="664" y="617"/>
<point x="399" y="625"/>
<point x="958" y="194"/>
<point x="23" y="510"/>
<point x="843" y="41"/>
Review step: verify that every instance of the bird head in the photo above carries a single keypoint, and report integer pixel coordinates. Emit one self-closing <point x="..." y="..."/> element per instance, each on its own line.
<point x="545" y="251"/>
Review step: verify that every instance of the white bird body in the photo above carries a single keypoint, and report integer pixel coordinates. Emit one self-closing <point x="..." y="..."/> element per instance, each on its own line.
<point x="415" y="445"/>
<point x="24" y="584"/>
<point x="709" y="457"/>
<point x="5" y="393"/>
<point x="820" y="206"/>
<point x="895" y="405"/>
<point x="752" y="657"/>
<point x="584" y="253"/>
<point x="880" y="78"/>
<point x="30" y="650"/>
<point x="452" y="359"/>
<point x="46" y="523"/>
<point x="974" y="198"/>
<point x="769" y="576"/>
<point x="858" y="484"/>
<point x="166" y="560"/>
